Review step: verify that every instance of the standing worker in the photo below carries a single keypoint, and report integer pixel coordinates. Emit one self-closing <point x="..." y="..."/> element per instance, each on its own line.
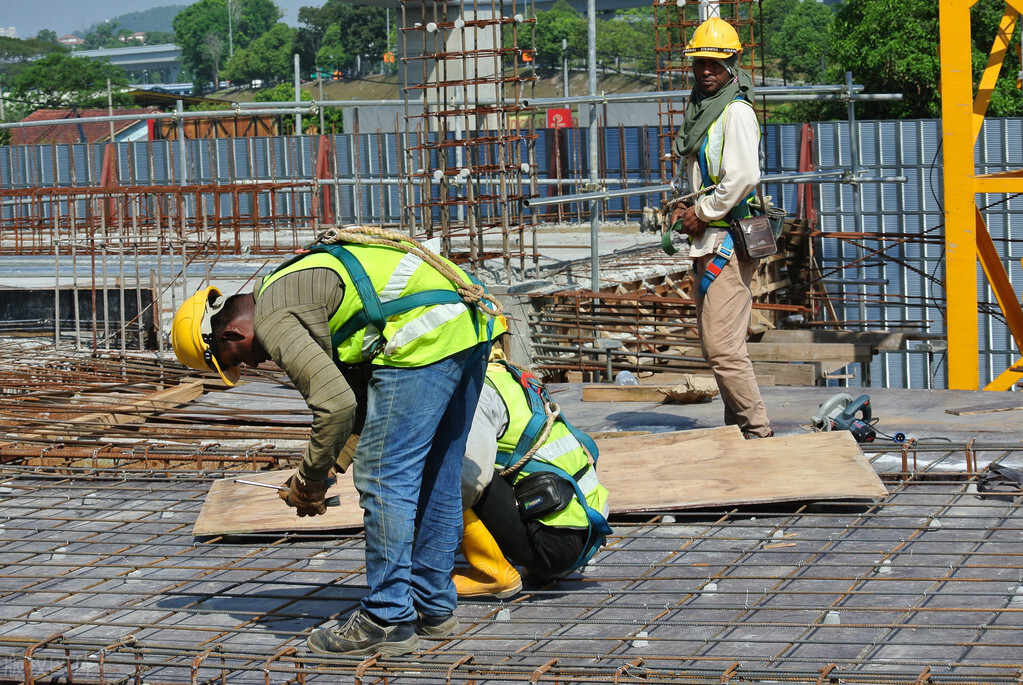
<point x="719" y="140"/>
<point x="529" y="488"/>
<point x="368" y="303"/>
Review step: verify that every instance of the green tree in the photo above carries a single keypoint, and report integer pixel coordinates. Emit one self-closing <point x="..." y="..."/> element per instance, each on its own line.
<point x="886" y="56"/>
<point x="1006" y="100"/>
<point x="60" y="80"/>
<point x="772" y="18"/>
<point x="159" y="37"/>
<point x="47" y="36"/>
<point x="560" y="22"/>
<point x="627" y="39"/>
<point x="284" y="92"/>
<point x="269" y="57"/>
<point x="332" y="53"/>
<point x="105" y="36"/>
<point x="195" y="23"/>
<point x="802" y="43"/>
<point x="361" y="30"/>
<point x="16" y="55"/>
<point x="215" y="47"/>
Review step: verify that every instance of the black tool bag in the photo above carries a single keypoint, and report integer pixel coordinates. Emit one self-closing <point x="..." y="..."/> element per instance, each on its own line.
<point x="542" y="493"/>
<point x="757" y="236"/>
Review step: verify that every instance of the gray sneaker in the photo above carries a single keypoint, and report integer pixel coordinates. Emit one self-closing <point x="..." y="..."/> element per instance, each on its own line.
<point x="361" y="636"/>
<point x="436" y="627"/>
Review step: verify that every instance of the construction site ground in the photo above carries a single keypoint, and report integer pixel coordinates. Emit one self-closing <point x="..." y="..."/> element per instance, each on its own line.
<point x="102" y="580"/>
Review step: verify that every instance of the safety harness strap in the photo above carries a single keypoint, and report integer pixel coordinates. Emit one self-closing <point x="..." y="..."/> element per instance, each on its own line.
<point x="713" y="270"/>
<point x="374" y="312"/>
<point x="537" y="396"/>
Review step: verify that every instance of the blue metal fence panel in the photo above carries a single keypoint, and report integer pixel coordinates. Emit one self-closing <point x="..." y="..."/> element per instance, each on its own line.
<point x="887" y="274"/>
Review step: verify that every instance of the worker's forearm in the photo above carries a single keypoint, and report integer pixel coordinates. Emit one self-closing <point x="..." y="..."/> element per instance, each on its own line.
<point x="292" y="323"/>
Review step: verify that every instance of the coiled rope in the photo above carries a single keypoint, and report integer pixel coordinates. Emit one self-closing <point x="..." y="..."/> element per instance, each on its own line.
<point x="668" y="206"/>
<point x="471" y="293"/>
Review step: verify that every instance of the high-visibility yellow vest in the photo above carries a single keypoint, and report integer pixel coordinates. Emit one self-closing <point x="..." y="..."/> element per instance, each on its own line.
<point x="709" y="157"/>
<point x="417" y="337"/>
<point x="560" y="449"/>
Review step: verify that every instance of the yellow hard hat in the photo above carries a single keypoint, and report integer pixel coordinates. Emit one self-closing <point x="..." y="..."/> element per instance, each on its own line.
<point x="192" y="333"/>
<point x="714" y="38"/>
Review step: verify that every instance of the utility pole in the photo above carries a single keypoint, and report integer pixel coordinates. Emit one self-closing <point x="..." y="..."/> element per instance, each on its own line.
<point x="298" y="97"/>
<point x="110" y="108"/>
<point x="564" y="67"/>
<point x="319" y="82"/>
<point x="230" y="30"/>
<point x="591" y="12"/>
<point x="3" y="115"/>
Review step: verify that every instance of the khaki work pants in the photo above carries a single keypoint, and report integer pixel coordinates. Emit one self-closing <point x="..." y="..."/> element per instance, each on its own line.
<point x="722" y="319"/>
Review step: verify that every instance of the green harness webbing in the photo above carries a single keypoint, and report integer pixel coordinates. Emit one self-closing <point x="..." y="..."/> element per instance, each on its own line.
<point x="376" y="312"/>
<point x="537" y="396"/>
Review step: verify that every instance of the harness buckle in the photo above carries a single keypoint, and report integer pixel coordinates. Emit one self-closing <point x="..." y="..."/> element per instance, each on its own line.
<point x="724" y="251"/>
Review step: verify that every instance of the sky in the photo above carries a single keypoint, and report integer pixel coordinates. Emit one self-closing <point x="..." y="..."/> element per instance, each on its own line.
<point x="65" y="16"/>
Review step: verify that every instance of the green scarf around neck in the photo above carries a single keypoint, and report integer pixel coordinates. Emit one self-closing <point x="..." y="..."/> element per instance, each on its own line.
<point x="702" y="110"/>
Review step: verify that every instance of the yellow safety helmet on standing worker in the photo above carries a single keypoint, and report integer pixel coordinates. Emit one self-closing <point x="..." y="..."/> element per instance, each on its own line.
<point x="192" y="333"/>
<point x="714" y="38"/>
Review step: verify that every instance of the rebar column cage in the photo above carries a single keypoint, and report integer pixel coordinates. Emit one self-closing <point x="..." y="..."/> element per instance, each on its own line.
<point x="469" y="155"/>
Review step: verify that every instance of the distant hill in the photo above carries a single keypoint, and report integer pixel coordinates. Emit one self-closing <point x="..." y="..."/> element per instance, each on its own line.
<point x="156" y="19"/>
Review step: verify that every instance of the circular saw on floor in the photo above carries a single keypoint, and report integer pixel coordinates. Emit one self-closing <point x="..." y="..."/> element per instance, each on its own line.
<point x="843" y="412"/>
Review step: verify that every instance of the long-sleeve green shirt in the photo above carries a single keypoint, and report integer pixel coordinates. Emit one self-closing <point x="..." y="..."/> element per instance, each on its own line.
<point x="291" y="322"/>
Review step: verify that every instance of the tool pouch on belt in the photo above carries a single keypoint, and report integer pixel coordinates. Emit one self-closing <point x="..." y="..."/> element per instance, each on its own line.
<point x="542" y="493"/>
<point x="756" y="236"/>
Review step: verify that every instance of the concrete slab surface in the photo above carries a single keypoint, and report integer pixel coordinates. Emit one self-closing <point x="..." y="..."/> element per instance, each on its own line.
<point x="103" y="582"/>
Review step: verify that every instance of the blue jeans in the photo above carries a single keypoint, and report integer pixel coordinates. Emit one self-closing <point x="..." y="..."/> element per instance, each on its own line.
<point x="407" y="470"/>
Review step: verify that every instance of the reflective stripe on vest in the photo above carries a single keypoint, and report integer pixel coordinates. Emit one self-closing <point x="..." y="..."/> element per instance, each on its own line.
<point x="709" y="158"/>
<point x="561" y="449"/>
<point x="428" y="321"/>
<point x="445" y="329"/>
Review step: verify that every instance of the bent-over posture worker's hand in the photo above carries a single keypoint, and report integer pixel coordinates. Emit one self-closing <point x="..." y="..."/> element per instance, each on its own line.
<point x="307" y="496"/>
<point x="694" y="225"/>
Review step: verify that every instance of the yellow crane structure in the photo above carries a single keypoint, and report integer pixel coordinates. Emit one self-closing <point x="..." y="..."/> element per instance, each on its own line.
<point x="966" y="234"/>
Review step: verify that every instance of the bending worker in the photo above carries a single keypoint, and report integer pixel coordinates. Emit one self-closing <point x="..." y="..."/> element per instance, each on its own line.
<point x="549" y="513"/>
<point x="399" y="315"/>
<point x="719" y="140"/>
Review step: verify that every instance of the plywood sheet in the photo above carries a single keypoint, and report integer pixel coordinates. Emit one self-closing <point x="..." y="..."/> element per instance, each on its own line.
<point x="656" y="472"/>
<point x="233" y="508"/>
<point x="1011" y="405"/>
<point x="665" y="472"/>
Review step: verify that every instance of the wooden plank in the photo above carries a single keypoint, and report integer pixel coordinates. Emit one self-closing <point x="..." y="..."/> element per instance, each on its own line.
<point x="787" y="374"/>
<point x="656" y="472"/>
<point x="232" y="508"/>
<point x="135" y="411"/>
<point x="621" y="393"/>
<point x="812" y="352"/>
<point x="877" y="340"/>
<point x="985" y="409"/>
<point x="713" y="472"/>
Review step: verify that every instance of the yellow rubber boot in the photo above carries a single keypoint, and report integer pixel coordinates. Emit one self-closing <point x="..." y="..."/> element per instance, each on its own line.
<point x="489" y="573"/>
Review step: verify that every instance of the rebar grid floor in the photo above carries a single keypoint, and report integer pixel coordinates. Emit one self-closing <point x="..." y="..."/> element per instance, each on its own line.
<point x="102" y="582"/>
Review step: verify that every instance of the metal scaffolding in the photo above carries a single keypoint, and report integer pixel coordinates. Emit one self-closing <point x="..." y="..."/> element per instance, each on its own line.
<point x="469" y="151"/>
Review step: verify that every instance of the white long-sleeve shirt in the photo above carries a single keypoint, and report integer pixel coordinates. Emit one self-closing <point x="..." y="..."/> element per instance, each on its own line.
<point x="740" y="173"/>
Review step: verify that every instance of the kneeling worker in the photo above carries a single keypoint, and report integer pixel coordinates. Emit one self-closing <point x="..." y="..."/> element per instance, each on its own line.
<point x="412" y="322"/>
<point x="547" y="512"/>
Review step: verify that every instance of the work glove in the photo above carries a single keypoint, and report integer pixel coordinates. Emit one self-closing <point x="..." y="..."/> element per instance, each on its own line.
<point x="307" y="496"/>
